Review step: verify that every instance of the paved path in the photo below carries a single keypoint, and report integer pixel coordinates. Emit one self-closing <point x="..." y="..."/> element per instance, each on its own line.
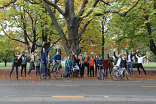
<point x="77" y="92"/>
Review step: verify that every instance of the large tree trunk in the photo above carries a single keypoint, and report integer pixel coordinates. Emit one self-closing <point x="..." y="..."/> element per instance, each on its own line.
<point x="151" y="45"/>
<point x="103" y="38"/>
<point x="5" y="61"/>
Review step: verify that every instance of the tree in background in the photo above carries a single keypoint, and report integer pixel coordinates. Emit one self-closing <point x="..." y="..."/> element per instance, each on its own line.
<point x="6" y="52"/>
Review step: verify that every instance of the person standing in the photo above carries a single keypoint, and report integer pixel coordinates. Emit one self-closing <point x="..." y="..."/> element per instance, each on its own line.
<point x="118" y="62"/>
<point x="100" y="64"/>
<point x="44" y="60"/>
<point x="85" y="62"/>
<point x="76" y="65"/>
<point x="38" y="61"/>
<point x="68" y="66"/>
<point x="24" y="64"/>
<point x="129" y="61"/>
<point x="139" y="65"/>
<point x="16" y="63"/>
<point x="32" y="60"/>
<point x="58" y="50"/>
<point x="96" y="66"/>
<point x="57" y="61"/>
<point x="110" y="63"/>
<point x="106" y="66"/>
<point x="49" y="61"/>
<point x="91" y="63"/>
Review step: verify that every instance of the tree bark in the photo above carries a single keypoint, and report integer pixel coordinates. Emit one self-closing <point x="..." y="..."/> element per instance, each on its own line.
<point x="103" y="38"/>
<point x="151" y="45"/>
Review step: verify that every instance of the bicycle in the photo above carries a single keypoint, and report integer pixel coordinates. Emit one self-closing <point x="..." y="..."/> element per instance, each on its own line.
<point x="116" y="73"/>
<point x="56" y="68"/>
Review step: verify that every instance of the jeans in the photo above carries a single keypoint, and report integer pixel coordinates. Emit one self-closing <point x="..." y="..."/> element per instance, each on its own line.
<point x="120" y="69"/>
<point x="104" y="75"/>
<point x="129" y="64"/>
<point x="57" y="65"/>
<point x="32" y="67"/>
<point x="99" y="70"/>
<point x="23" y="67"/>
<point x="68" y="71"/>
<point x="43" y="63"/>
<point x="14" y="65"/>
<point x="106" y="72"/>
<point x="37" y="70"/>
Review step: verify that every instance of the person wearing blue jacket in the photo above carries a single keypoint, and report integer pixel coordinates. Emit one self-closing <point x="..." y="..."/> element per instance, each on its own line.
<point x="68" y="66"/>
<point x="44" y="60"/>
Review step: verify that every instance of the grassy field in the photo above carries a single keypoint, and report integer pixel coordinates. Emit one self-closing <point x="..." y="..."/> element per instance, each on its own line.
<point x="150" y="65"/>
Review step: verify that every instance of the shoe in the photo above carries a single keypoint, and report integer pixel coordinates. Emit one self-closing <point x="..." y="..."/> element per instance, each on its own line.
<point x="9" y="77"/>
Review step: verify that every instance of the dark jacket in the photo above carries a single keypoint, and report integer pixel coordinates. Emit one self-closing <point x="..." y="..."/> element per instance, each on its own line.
<point x="116" y="59"/>
<point x="130" y="55"/>
<point x="57" y="57"/>
<point x="100" y="62"/>
<point x="44" y="54"/>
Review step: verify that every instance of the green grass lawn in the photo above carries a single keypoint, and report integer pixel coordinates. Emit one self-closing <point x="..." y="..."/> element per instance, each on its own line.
<point x="150" y="65"/>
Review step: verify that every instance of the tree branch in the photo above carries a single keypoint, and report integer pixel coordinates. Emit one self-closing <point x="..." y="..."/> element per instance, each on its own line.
<point x="55" y="6"/>
<point x="10" y="37"/>
<point x="59" y="30"/>
<point x="8" y="4"/>
<point x="105" y="3"/>
<point x="94" y="5"/>
<point x="82" y="8"/>
<point x="84" y="28"/>
<point x="118" y="12"/>
<point x="33" y="2"/>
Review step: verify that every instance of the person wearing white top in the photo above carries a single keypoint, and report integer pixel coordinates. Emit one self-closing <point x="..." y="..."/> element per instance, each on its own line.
<point x="139" y="65"/>
<point x="118" y="61"/>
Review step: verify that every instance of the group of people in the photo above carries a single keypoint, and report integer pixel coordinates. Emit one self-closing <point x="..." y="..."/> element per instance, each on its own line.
<point x="95" y="66"/>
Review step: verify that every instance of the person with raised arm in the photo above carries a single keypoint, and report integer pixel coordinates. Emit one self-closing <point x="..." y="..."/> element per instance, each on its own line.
<point x="118" y="61"/>
<point x="44" y="59"/>
<point x="140" y="61"/>
<point x="129" y="61"/>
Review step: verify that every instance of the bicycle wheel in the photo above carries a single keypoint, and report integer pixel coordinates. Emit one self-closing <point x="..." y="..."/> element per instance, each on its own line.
<point x="115" y="75"/>
<point x="58" y="75"/>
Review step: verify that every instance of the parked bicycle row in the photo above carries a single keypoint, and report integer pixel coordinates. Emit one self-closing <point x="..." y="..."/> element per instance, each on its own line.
<point x="45" y="65"/>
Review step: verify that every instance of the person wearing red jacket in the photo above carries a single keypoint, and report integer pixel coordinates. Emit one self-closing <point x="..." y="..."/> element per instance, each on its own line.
<point x="106" y="66"/>
<point x="91" y="64"/>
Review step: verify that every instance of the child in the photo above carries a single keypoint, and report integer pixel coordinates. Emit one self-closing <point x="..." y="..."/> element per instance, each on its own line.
<point x="91" y="64"/>
<point x="68" y="66"/>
